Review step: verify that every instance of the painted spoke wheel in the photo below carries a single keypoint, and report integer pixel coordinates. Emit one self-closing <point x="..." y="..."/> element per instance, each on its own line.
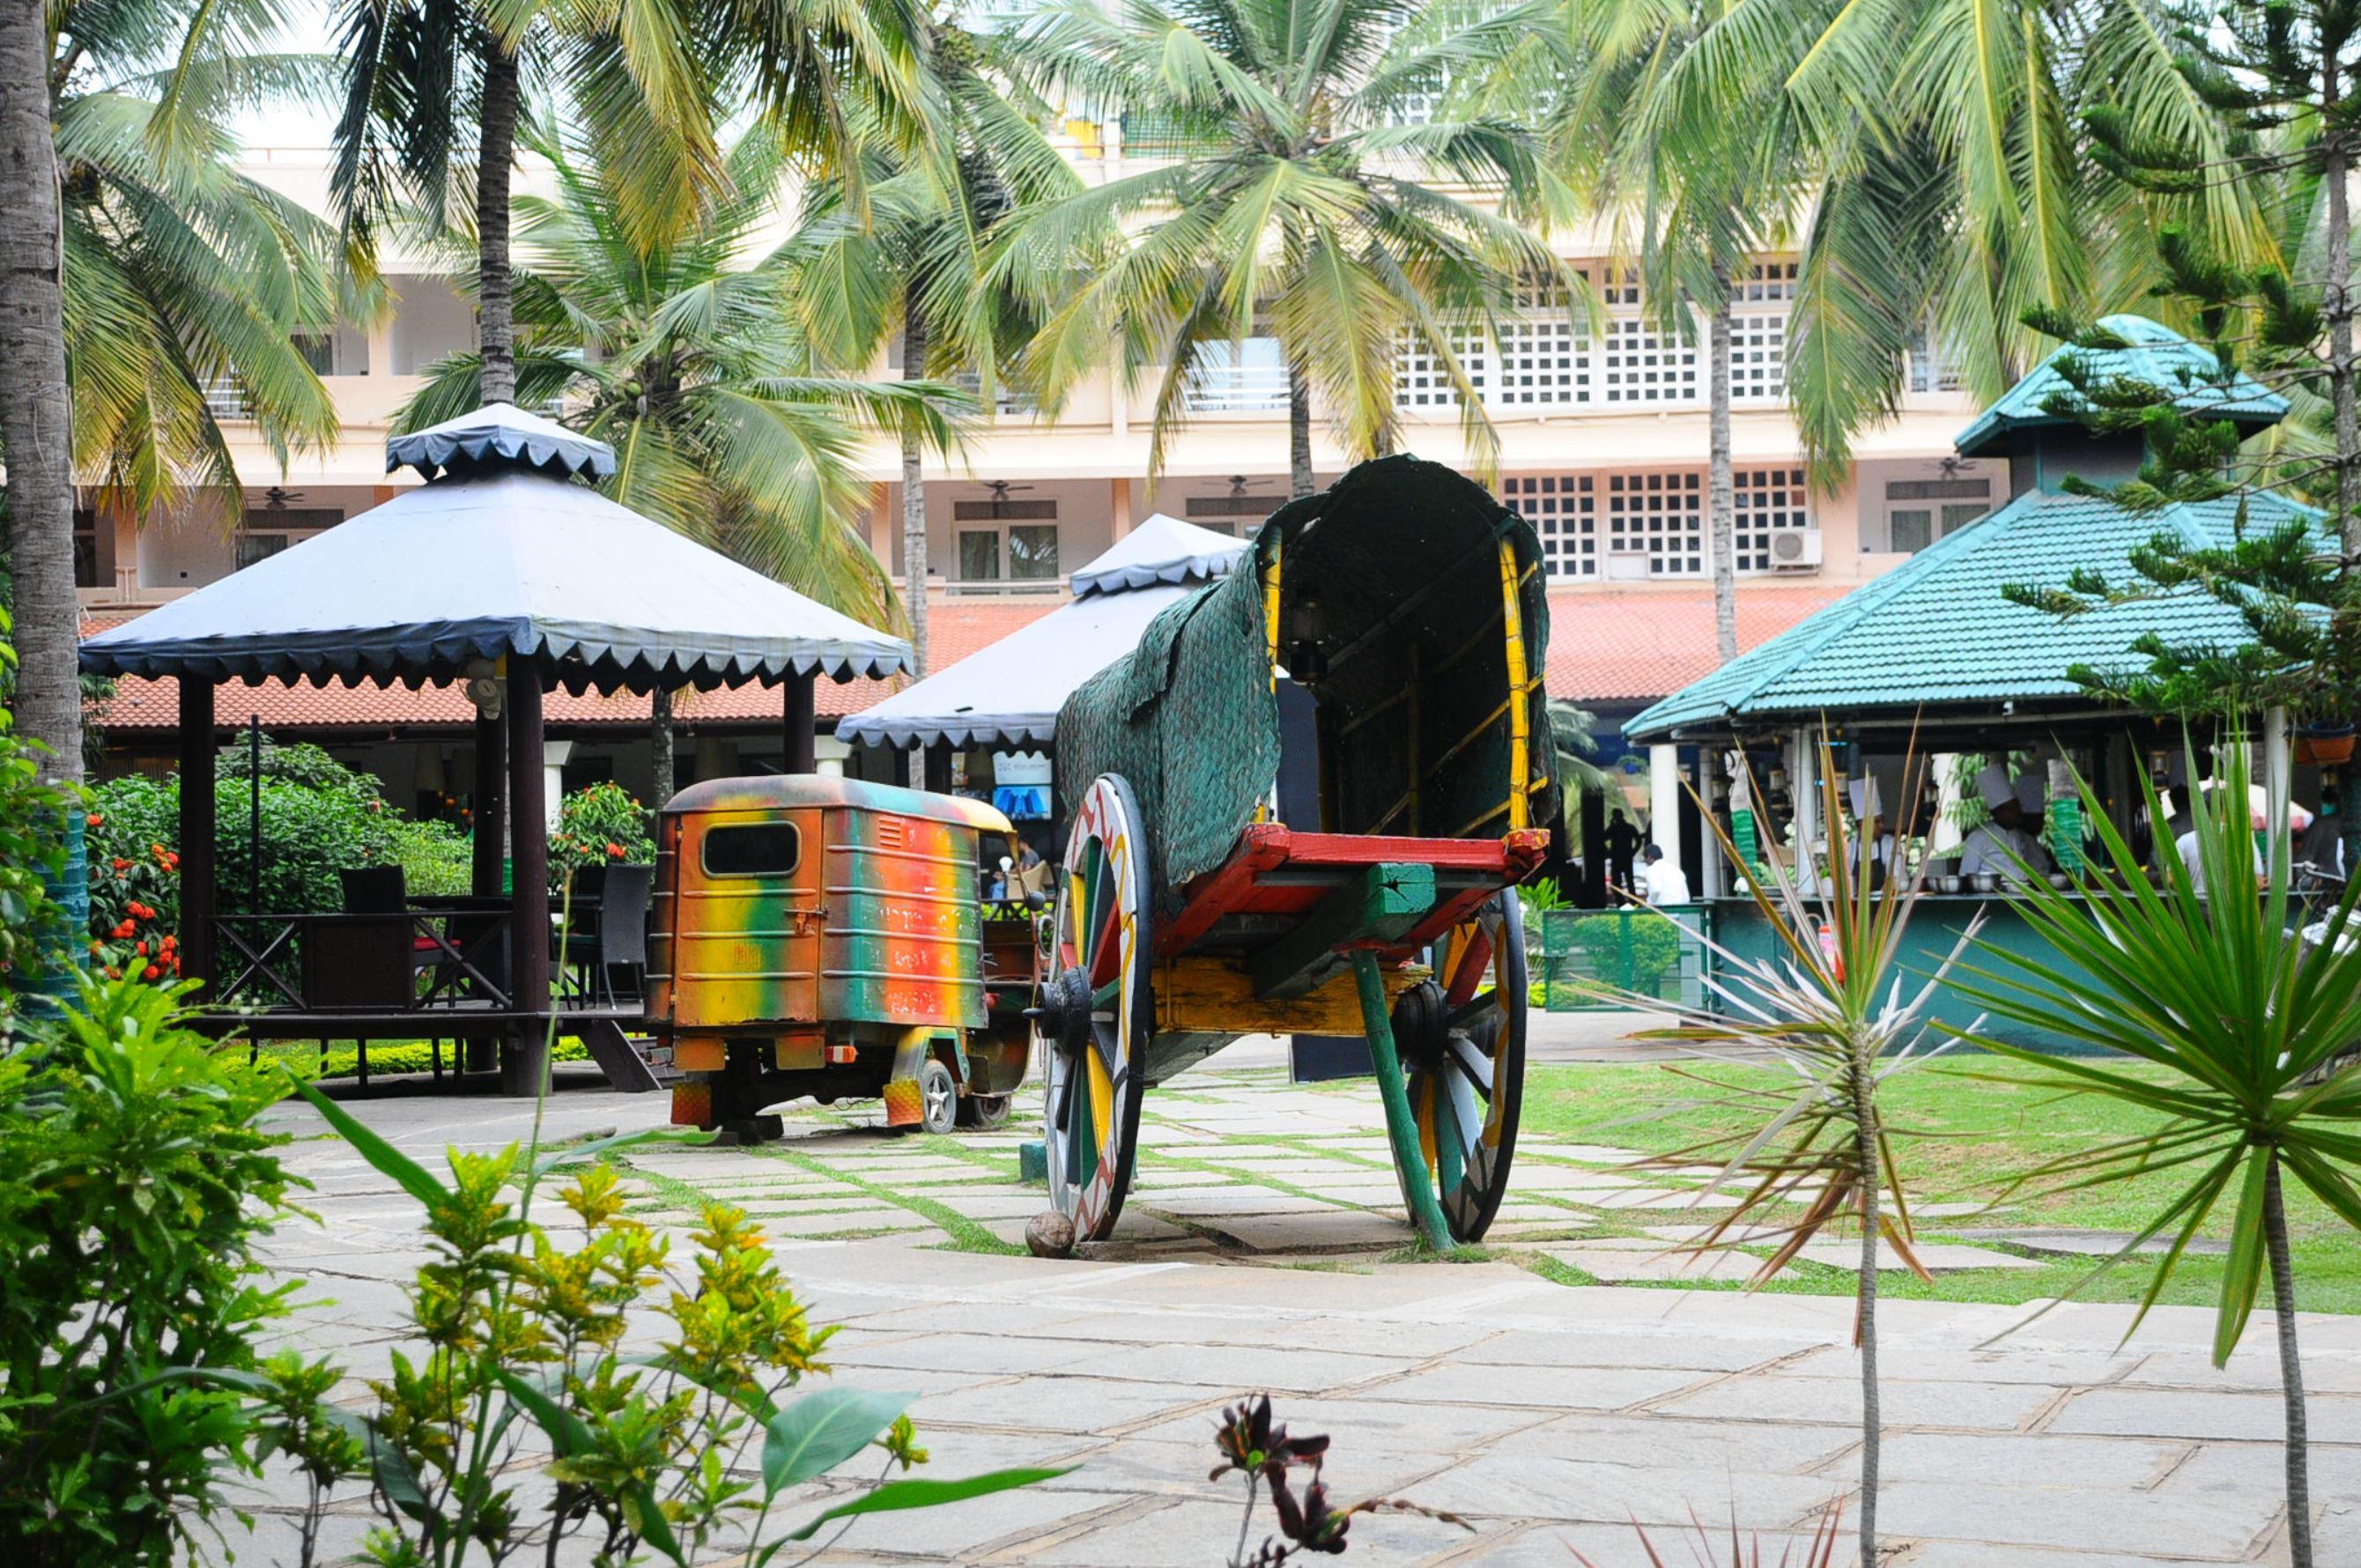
<point x="1096" y="1014"/>
<point x="1462" y="1037"/>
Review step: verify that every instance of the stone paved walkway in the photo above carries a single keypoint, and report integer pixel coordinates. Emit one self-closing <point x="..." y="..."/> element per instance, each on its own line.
<point x="1253" y="1255"/>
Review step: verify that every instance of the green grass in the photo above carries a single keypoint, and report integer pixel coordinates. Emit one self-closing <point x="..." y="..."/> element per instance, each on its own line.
<point x="1967" y="1126"/>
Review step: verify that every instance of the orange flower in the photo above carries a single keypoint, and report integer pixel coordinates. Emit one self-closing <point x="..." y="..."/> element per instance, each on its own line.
<point x="151" y="973"/>
<point x="120" y="864"/>
<point x="127" y="930"/>
<point x="94" y="819"/>
<point x="614" y="850"/>
<point x="114" y="973"/>
<point x="141" y="949"/>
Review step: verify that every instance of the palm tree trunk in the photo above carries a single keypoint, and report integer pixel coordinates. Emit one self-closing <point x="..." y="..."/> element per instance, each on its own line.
<point x="1864" y="1093"/>
<point x="495" y="299"/>
<point x="2299" y="1444"/>
<point x="661" y="769"/>
<point x="35" y="429"/>
<point x="2345" y="406"/>
<point x="914" y="491"/>
<point x="1299" y="430"/>
<point x="1720" y="489"/>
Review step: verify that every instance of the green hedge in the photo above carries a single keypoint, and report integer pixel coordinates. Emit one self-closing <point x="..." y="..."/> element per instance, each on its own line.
<point x="389" y="1056"/>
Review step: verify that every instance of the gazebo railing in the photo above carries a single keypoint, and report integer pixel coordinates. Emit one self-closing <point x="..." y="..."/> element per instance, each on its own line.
<point x="417" y="962"/>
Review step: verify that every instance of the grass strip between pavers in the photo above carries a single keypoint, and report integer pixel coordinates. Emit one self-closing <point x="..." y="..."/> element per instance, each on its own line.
<point x="966" y="1234"/>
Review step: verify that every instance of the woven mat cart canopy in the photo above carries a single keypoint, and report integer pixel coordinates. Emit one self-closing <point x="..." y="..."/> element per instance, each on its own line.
<point x="1394" y="587"/>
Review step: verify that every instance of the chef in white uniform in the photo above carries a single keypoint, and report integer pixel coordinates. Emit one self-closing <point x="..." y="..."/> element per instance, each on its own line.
<point x="1869" y="820"/>
<point x="2002" y="845"/>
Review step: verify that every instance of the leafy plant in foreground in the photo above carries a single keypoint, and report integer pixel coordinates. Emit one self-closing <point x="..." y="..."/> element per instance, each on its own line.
<point x="518" y="1352"/>
<point x="138" y="1181"/>
<point x="1830" y="1005"/>
<point x="2246" y="1014"/>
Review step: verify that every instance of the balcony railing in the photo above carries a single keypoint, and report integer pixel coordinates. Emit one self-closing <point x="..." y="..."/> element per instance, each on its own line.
<point x="224" y="398"/>
<point x="1237" y="388"/>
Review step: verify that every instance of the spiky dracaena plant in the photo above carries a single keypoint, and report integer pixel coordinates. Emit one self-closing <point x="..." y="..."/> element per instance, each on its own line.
<point x="2250" y="1011"/>
<point x="1832" y="1006"/>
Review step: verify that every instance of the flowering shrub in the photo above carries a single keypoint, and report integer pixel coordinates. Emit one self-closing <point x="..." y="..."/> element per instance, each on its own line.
<point x="600" y="826"/>
<point x="318" y="817"/>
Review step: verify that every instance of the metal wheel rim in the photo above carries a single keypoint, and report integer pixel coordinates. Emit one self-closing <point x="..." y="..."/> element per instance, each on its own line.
<point x="1467" y="1084"/>
<point x="939" y="1092"/>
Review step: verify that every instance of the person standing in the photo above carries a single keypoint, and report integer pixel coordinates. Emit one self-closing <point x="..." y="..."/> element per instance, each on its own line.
<point x="1622" y="844"/>
<point x="2001" y="845"/>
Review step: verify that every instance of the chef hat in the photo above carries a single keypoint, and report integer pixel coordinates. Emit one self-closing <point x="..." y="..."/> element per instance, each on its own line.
<point x="1865" y="802"/>
<point x="1993" y="785"/>
<point x="2032" y="791"/>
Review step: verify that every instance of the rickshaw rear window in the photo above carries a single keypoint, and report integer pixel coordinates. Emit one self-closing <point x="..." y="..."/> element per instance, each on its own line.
<point x="752" y="849"/>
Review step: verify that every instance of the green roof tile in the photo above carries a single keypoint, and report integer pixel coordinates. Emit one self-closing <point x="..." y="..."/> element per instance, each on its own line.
<point x="2156" y="354"/>
<point x="1936" y="631"/>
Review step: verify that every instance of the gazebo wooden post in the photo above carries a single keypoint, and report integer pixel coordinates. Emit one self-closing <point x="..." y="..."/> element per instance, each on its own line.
<point x="491" y="805"/>
<point x="938" y="767"/>
<point x="801" y="719"/>
<point x="525" y="1061"/>
<point x="198" y="880"/>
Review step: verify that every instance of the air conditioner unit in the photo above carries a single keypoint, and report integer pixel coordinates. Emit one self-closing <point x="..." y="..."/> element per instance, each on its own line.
<point x="1796" y="549"/>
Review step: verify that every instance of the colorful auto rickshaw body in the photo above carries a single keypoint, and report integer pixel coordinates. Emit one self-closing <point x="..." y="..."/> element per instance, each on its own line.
<point x="821" y="935"/>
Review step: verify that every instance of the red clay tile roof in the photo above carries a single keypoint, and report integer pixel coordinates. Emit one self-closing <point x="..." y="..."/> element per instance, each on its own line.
<point x="1638" y="644"/>
<point x="1606" y="645"/>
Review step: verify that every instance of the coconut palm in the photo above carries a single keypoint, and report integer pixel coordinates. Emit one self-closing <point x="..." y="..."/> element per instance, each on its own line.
<point x="434" y="89"/>
<point x="2250" y="1020"/>
<point x="909" y="242"/>
<point x="1952" y="193"/>
<point x="179" y="278"/>
<point x="1303" y="202"/>
<point x="689" y="363"/>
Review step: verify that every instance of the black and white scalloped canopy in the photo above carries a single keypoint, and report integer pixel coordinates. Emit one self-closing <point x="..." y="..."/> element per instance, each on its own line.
<point x="504" y="556"/>
<point x="501" y="432"/>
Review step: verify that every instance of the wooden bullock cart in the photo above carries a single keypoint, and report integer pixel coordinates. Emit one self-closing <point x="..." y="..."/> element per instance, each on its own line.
<point x="1302" y="806"/>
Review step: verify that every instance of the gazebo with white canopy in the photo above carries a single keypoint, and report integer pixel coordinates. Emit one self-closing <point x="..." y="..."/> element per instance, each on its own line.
<point x="1009" y="694"/>
<point x="505" y="573"/>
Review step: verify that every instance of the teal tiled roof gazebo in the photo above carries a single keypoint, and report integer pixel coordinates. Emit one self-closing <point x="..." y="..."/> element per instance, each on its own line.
<point x="2154" y="354"/>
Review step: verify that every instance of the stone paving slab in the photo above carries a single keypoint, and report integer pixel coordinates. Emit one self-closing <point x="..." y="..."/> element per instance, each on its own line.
<point x="1552" y="1413"/>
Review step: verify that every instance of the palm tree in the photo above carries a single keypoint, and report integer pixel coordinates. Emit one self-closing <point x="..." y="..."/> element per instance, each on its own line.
<point x="1297" y="206"/>
<point x="691" y="366"/>
<point x="47" y="697"/>
<point x="1952" y="193"/>
<point x="428" y="83"/>
<point x="175" y="278"/>
<point x="917" y="249"/>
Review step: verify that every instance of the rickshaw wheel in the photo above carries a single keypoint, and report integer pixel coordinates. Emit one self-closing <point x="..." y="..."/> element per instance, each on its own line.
<point x="937" y="1096"/>
<point x="1462" y="1037"/>
<point x="1096" y="1014"/>
<point x="982" y="1110"/>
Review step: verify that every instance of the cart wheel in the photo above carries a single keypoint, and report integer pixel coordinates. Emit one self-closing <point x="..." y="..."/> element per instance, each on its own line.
<point x="937" y="1096"/>
<point x="1095" y="1015"/>
<point x="983" y="1112"/>
<point x="1463" y="1042"/>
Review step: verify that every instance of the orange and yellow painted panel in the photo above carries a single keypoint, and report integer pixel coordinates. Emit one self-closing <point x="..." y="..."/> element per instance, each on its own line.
<point x="814" y="899"/>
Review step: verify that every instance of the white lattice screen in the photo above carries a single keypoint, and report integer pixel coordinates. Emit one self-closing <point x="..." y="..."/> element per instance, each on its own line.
<point x="1563" y="509"/>
<point x="1769" y="501"/>
<point x="1661" y="516"/>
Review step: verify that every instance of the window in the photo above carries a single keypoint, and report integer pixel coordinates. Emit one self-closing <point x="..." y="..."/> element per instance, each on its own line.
<point x="1768" y="501"/>
<point x="1563" y="509"/>
<point x="752" y="849"/>
<point x="267" y="530"/>
<point x="1033" y="550"/>
<point x="1659" y="517"/>
<point x="979" y="555"/>
<point x="85" y="548"/>
<point x="1238" y="377"/>
<point x="1920" y="512"/>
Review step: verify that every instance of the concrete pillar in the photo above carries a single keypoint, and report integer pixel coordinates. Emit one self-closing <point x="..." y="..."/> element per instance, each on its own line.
<point x="1715" y="883"/>
<point x="555" y="755"/>
<point x="1665" y="799"/>
<point x="2278" y="773"/>
<point x="1803" y="787"/>
<point x="1119" y="507"/>
<point x="197" y="837"/>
